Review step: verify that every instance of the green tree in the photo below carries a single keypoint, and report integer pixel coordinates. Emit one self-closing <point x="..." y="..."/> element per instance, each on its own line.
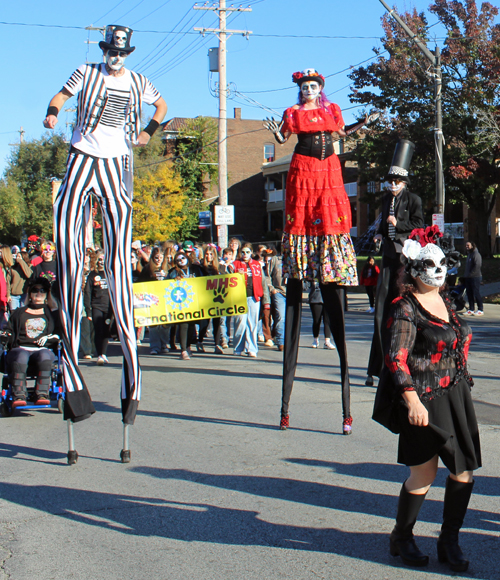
<point x="25" y="191"/>
<point x="196" y="165"/>
<point x="401" y="85"/>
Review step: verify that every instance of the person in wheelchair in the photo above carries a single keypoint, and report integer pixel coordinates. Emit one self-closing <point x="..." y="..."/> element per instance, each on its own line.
<point x="32" y="330"/>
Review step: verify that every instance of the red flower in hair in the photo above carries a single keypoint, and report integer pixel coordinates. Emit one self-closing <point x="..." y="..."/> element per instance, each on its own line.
<point x="296" y="76"/>
<point x="427" y="236"/>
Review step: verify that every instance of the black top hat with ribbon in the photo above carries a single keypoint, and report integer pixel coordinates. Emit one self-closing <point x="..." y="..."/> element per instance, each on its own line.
<point x="117" y="38"/>
<point x="401" y="161"/>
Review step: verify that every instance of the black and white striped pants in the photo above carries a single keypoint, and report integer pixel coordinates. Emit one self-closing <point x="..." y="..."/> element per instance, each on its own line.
<point x="104" y="178"/>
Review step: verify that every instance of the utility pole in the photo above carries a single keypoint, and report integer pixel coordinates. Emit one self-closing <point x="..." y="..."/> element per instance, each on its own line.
<point x="21" y="138"/>
<point x="222" y="33"/>
<point x="435" y="60"/>
<point x="89" y="42"/>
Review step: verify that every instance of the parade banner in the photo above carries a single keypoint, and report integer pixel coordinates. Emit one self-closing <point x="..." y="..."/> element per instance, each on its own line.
<point x="189" y="299"/>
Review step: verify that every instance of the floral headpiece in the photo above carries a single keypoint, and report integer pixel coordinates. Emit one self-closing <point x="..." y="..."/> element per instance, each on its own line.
<point x="309" y="74"/>
<point x="419" y="239"/>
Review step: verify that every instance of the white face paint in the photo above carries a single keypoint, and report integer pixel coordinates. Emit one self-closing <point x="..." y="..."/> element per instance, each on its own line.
<point x="434" y="260"/>
<point x="310" y="90"/>
<point x="397" y="187"/>
<point x="115" y="62"/>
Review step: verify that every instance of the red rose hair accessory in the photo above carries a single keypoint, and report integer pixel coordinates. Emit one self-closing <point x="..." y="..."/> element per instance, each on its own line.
<point x="430" y="235"/>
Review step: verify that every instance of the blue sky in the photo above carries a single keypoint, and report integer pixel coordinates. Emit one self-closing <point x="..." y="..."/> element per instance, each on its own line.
<point x="39" y="59"/>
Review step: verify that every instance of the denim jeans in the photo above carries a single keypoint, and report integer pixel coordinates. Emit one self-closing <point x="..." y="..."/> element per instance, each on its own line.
<point x="245" y="328"/>
<point x="159" y="336"/>
<point x="279" y="302"/>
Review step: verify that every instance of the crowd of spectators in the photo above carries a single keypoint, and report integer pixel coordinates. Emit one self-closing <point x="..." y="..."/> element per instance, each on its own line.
<point x="261" y="266"/>
<point x="264" y="323"/>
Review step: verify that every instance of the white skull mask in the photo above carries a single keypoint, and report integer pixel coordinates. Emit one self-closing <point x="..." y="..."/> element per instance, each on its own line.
<point x="120" y="38"/>
<point x="434" y="264"/>
<point x="310" y="90"/>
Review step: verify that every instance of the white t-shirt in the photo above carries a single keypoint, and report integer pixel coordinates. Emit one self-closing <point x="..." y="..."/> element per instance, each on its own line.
<point x="109" y="138"/>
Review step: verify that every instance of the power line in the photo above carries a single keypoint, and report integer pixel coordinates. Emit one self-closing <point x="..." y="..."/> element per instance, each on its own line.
<point x="109" y="11"/>
<point x="131" y="10"/>
<point x="152" y="12"/>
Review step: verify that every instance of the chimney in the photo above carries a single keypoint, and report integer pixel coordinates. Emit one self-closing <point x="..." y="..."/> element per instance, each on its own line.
<point x="237" y="113"/>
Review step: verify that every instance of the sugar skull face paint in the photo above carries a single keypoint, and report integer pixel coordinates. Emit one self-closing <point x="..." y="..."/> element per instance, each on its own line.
<point x="434" y="262"/>
<point x="117" y="61"/>
<point x="310" y="90"/>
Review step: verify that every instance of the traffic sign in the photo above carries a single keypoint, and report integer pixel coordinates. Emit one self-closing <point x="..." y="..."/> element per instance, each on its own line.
<point x="224" y="215"/>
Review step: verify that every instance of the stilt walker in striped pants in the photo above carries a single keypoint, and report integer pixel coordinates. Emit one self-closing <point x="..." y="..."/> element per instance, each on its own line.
<point x="110" y="99"/>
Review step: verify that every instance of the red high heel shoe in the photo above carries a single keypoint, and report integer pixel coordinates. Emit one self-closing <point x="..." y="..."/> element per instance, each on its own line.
<point x="285" y="422"/>
<point x="347" y="426"/>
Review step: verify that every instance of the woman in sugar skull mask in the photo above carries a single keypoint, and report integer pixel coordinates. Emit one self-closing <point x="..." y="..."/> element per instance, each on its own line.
<point x="424" y="395"/>
<point x="316" y="241"/>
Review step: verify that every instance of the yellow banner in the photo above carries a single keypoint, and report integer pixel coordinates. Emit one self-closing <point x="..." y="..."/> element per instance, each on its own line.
<point x="189" y="299"/>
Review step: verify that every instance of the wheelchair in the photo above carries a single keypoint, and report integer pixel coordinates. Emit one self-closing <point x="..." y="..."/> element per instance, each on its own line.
<point x="56" y="390"/>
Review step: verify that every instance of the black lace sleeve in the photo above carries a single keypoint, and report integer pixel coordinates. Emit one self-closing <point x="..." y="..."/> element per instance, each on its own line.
<point x="402" y="331"/>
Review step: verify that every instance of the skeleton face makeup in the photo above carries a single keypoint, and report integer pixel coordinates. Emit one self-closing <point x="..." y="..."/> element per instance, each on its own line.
<point x="434" y="262"/>
<point x="310" y="90"/>
<point x="115" y="62"/>
<point x="396" y="186"/>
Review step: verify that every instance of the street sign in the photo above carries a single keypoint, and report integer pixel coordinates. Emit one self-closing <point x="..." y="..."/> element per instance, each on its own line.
<point x="224" y="215"/>
<point x="438" y="220"/>
<point x="205" y="218"/>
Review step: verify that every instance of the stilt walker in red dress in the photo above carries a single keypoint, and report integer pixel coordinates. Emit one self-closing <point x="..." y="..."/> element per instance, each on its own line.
<point x="316" y="241"/>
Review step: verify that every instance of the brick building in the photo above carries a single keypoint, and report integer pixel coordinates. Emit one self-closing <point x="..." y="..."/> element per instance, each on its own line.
<point x="249" y="147"/>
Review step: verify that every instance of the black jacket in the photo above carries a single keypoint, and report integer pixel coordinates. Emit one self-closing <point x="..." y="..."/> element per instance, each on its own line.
<point x="408" y="214"/>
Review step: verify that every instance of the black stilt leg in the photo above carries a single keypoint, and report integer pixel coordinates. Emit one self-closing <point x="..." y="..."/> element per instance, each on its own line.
<point x="292" y="336"/>
<point x="333" y="303"/>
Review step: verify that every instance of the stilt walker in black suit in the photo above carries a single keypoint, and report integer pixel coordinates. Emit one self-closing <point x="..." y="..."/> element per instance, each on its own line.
<point x="401" y="213"/>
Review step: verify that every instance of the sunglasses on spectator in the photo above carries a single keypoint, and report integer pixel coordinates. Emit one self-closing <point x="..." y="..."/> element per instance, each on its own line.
<point x="38" y="290"/>
<point x="117" y="53"/>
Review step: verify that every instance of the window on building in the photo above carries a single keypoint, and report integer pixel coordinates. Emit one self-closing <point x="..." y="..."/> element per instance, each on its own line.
<point x="268" y="153"/>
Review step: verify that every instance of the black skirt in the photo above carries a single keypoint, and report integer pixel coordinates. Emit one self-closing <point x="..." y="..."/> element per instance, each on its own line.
<point x="452" y="433"/>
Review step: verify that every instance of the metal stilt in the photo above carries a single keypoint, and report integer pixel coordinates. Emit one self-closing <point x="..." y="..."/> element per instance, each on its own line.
<point x="72" y="453"/>
<point x="125" y="452"/>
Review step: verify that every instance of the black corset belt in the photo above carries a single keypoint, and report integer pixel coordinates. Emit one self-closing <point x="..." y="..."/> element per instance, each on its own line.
<point x="319" y="145"/>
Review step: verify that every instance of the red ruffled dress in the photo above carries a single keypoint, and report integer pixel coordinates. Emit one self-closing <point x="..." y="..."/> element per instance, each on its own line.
<point x="316" y="241"/>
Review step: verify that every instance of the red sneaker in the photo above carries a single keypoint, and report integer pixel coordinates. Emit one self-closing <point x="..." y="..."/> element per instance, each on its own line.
<point x="18" y="403"/>
<point x="42" y="399"/>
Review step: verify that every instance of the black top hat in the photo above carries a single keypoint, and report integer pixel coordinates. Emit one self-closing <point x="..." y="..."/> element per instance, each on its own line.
<point x="117" y="38"/>
<point x="401" y="161"/>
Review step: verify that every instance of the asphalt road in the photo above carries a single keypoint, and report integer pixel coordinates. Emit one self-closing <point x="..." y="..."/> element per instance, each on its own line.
<point x="216" y="491"/>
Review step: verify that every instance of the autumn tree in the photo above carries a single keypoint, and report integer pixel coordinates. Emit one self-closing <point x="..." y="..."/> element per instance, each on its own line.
<point x="158" y="206"/>
<point x="401" y="85"/>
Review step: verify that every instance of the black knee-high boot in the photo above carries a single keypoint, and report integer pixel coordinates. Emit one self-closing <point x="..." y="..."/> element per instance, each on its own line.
<point x="456" y="501"/>
<point x="18" y="384"/>
<point x="293" y="316"/>
<point x="402" y="542"/>
<point x="333" y="303"/>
